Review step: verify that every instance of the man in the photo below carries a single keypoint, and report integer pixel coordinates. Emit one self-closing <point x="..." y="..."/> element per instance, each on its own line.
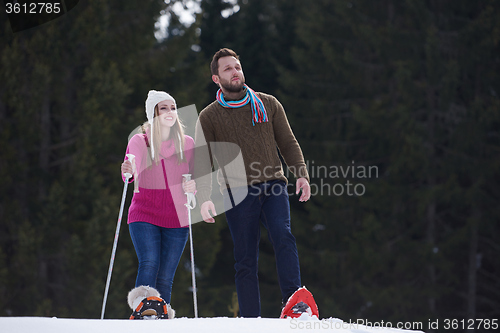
<point x="257" y="124"/>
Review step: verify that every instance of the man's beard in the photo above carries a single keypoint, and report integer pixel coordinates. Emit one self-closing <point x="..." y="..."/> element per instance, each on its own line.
<point x="232" y="87"/>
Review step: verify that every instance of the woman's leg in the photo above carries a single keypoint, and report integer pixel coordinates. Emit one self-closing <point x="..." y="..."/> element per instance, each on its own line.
<point x="147" y="243"/>
<point x="173" y="241"/>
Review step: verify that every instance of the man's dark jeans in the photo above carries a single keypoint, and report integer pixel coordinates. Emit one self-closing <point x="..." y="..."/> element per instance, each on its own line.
<point x="267" y="203"/>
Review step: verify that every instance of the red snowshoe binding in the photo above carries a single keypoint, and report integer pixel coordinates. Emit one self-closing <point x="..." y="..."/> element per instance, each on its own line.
<point x="151" y="308"/>
<point x="302" y="301"/>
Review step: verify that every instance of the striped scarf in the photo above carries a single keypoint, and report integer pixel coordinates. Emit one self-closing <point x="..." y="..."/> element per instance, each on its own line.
<point x="259" y="113"/>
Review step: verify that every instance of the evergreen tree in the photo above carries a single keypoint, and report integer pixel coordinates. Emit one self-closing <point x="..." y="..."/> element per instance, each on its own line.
<point x="72" y="91"/>
<point x="407" y="88"/>
<point x="261" y="33"/>
<point x="399" y="86"/>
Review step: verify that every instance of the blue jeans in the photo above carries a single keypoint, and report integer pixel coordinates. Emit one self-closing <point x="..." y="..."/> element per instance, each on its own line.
<point x="267" y="203"/>
<point x="159" y="251"/>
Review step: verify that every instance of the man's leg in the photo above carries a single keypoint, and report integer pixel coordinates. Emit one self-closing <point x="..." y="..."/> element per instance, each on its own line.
<point x="243" y="222"/>
<point x="276" y="218"/>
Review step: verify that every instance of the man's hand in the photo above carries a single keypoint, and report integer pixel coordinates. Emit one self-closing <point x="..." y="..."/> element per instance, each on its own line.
<point x="303" y="184"/>
<point x="206" y="208"/>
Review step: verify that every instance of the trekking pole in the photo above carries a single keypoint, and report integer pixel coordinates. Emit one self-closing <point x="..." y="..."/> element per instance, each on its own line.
<point x="191" y="203"/>
<point x="115" y="243"/>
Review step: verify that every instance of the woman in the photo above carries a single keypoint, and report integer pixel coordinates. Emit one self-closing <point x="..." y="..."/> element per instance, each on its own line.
<point x="158" y="217"/>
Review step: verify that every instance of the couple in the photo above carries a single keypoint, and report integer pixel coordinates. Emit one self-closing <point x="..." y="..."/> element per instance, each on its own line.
<point x="157" y="219"/>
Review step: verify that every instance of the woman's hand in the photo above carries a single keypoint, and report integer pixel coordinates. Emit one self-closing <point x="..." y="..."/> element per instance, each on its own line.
<point x="127" y="168"/>
<point x="189" y="186"/>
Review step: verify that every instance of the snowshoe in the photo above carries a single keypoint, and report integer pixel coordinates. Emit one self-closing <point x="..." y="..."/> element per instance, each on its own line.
<point x="151" y="308"/>
<point x="146" y="303"/>
<point x="302" y="301"/>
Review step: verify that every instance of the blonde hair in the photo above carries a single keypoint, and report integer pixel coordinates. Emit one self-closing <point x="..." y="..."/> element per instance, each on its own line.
<point x="176" y="133"/>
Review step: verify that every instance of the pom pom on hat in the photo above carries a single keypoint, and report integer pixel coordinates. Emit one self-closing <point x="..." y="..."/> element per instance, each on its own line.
<point x="155" y="97"/>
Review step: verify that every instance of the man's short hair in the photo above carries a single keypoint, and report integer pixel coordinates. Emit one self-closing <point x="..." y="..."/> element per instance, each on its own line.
<point x="225" y="52"/>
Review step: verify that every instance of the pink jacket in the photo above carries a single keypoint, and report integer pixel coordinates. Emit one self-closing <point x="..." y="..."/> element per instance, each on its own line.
<point x="161" y="199"/>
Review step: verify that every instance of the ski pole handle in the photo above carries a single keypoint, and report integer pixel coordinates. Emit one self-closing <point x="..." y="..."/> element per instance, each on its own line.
<point x="190" y="196"/>
<point x="131" y="158"/>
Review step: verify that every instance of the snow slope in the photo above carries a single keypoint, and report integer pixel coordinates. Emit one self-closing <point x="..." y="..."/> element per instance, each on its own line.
<point x="184" y="325"/>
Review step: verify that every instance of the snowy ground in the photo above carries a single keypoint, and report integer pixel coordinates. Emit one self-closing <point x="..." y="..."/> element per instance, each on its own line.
<point x="205" y="325"/>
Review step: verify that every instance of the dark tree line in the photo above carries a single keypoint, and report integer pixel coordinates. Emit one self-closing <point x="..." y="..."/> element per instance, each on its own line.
<point x="409" y="88"/>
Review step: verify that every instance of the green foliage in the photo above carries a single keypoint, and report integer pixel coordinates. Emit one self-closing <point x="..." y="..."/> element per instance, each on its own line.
<point x="396" y="85"/>
<point x="72" y="92"/>
<point x="408" y="87"/>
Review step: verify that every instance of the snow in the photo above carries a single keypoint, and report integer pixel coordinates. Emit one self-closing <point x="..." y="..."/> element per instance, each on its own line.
<point x="205" y="325"/>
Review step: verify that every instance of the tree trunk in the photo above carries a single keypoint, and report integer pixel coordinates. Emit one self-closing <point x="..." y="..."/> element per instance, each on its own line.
<point x="44" y="157"/>
<point x="472" y="273"/>
<point x="431" y="240"/>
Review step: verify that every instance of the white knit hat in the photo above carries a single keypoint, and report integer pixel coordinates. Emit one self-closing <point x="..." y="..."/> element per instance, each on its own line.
<point x="155" y="97"/>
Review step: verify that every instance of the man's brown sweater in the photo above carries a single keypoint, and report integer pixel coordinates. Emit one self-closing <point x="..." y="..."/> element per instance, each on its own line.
<point x="230" y="132"/>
